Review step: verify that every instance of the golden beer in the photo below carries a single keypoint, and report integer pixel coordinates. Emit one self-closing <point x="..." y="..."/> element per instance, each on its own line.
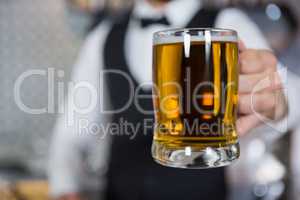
<point x="195" y="95"/>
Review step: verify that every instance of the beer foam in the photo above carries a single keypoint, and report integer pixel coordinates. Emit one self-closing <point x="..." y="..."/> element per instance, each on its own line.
<point x="180" y="39"/>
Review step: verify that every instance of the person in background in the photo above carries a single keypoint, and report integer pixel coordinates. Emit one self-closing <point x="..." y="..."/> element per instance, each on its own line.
<point x="97" y="10"/>
<point x="87" y="158"/>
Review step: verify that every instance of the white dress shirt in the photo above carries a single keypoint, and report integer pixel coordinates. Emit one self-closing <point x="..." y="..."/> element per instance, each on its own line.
<point x="78" y="160"/>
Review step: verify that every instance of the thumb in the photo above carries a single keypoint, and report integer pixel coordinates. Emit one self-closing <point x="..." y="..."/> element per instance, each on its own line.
<point x="242" y="46"/>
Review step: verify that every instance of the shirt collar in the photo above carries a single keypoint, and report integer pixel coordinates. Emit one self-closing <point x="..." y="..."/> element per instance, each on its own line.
<point x="178" y="12"/>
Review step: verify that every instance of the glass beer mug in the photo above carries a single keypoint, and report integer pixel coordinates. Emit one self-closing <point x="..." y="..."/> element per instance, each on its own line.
<point x="195" y="94"/>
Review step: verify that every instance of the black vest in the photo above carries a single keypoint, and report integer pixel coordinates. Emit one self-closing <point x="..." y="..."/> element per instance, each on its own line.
<point x="132" y="174"/>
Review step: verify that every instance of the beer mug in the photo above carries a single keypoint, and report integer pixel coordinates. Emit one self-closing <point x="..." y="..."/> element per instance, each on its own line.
<point x="195" y="94"/>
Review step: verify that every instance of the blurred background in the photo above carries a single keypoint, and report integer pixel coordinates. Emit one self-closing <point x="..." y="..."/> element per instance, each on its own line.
<point x="37" y="34"/>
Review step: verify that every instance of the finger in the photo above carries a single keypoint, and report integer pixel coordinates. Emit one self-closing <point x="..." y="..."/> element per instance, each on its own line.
<point x="242" y="46"/>
<point x="246" y="123"/>
<point x="253" y="83"/>
<point x="255" y="61"/>
<point x="257" y="103"/>
<point x="250" y="62"/>
<point x="249" y="82"/>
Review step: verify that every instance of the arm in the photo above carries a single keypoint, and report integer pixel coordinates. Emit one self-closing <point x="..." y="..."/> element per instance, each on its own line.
<point x="72" y="142"/>
<point x="254" y="154"/>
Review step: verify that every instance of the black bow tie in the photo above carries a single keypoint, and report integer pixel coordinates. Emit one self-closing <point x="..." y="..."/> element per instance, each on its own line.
<point x="145" y="22"/>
